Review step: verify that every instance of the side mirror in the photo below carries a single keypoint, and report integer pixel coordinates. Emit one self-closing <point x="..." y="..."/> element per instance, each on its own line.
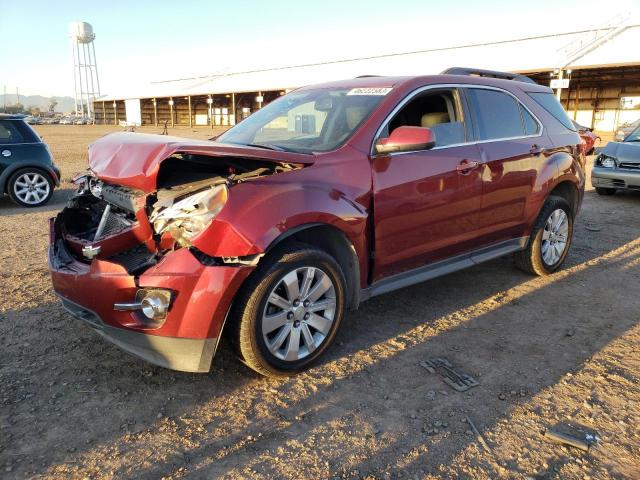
<point x="406" y="139"/>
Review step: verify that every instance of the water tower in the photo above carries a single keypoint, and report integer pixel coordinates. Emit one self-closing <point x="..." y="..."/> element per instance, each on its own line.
<point x="85" y="67"/>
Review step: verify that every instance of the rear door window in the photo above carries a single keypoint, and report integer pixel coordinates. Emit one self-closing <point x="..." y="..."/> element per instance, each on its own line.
<point x="498" y="115"/>
<point x="531" y="126"/>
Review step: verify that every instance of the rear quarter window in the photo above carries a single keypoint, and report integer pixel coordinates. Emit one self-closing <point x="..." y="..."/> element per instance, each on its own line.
<point x="550" y="103"/>
<point x="16" y="131"/>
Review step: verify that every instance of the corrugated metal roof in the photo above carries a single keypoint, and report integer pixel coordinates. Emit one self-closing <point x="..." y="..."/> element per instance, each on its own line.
<point x="531" y="54"/>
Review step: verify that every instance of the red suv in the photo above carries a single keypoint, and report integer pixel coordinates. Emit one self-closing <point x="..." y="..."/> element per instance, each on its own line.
<point x="326" y="197"/>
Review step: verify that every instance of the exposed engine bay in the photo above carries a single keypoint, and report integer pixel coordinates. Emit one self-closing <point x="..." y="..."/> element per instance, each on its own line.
<point x="135" y="229"/>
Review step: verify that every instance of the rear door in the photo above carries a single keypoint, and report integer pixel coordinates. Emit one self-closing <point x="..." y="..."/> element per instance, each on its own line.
<point x="512" y="148"/>
<point x="426" y="202"/>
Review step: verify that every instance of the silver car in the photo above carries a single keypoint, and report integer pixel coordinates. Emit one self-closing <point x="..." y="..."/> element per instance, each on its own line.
<point x="617" y="167"/>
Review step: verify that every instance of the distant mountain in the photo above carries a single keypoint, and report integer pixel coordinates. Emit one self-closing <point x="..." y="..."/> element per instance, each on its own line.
<point x="65" y="104"/>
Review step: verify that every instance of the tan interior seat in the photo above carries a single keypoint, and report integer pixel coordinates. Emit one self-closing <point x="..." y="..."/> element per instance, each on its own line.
<point x="430" y="119"/>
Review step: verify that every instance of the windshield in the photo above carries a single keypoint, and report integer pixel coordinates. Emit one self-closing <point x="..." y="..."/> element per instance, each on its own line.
<point x="308" y="120"/>
<point x="634" y="136"/>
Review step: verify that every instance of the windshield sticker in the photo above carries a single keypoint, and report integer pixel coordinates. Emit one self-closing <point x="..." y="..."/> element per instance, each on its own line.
<point x="370" y="91"/>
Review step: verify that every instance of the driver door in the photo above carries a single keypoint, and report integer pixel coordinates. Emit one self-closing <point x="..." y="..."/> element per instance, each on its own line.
<point x="426" y="203"/>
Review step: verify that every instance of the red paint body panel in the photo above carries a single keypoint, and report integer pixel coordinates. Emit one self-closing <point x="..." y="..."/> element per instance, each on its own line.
<point x="425" y="209"/>
<point x="202" y="294"/>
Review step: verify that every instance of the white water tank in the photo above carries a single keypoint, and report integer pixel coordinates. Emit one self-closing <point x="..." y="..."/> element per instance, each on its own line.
<point x="82" y="32"/>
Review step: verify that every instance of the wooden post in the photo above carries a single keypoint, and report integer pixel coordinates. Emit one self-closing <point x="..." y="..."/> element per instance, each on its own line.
<point x="233" y="109"/>
<point x="104" y="114"/>
<point x="155" y="111"/>
<point x="171" y="109"/>
<point x="115" y="111"/>
<point x="190" y="115"/>
<point x="575" y="105"/>
<point x="260" y="103"/>
<point x="210" y="104"/>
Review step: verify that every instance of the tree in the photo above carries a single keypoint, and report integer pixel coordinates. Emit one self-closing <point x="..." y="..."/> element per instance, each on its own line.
<point x="52" y="104"/>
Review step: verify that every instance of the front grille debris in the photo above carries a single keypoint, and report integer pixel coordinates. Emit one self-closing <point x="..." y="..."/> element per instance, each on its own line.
<point x="457" y="380"/>
<point x="135" y="260"/>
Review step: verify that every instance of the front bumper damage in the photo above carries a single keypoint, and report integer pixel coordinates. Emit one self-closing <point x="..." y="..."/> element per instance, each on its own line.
<point x="201" y="298"/>
<point x="143" y="284"/>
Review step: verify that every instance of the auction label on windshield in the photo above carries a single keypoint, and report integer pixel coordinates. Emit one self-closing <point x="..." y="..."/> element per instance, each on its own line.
<point x="369" y="91"/>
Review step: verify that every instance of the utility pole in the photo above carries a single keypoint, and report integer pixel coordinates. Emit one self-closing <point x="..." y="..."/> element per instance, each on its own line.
<point x="4" y="106"/>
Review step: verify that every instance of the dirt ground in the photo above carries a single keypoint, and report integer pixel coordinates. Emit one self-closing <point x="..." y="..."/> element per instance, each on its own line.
<point x="559" y="351"/>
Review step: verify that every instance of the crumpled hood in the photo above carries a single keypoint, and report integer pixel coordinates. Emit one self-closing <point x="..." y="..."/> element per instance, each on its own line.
<point x="627" y="152"/>
<point x="133" y="159"/>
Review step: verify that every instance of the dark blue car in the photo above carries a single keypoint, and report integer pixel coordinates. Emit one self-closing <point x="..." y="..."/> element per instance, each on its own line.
<point x="27" y="172"/>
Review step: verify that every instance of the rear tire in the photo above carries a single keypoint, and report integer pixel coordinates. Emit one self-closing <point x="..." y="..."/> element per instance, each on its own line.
<point x="30" y="187"/>
<point x="605" y="191"/>
<point x="550" y="239"/>
<point x="288" y="312"/>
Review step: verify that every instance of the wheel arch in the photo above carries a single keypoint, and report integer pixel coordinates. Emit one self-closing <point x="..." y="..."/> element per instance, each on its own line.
<point x="333" y="241"/>
<point x="13" y="168"/>
<point x="569" y="191"/>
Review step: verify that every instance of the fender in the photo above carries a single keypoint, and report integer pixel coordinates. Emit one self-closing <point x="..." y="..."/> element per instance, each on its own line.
<point x="257" y="213"/>
<point x="11" y="169"/>
<point x="560" y="166"/>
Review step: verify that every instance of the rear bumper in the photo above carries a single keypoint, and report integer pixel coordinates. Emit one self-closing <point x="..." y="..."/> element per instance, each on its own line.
<point x="201" y="298"/>
<point x="615" y="178"/>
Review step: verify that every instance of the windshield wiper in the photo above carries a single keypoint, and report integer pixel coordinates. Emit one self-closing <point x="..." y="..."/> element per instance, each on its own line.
<point x="266" y="147"/>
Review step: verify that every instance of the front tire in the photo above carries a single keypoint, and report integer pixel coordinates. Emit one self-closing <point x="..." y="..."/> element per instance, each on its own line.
<point x="605" y="191"/>
<point x="288" y="312"/>
<point x="30" y="187"/>
<point x="550" y="239"/>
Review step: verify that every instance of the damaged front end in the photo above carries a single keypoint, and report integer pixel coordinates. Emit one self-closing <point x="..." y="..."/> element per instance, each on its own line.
<point x="135" y="229"/>
<point x="123" y="258"/>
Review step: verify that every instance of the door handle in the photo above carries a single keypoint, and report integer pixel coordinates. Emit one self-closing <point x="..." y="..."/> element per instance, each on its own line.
<point x="466" y="166"/>
<point x="536" y="149"/>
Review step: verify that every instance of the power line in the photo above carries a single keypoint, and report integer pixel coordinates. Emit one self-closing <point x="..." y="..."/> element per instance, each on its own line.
<point x="387" y="55"/>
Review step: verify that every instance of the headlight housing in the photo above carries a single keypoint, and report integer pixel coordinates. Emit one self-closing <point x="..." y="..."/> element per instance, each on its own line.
<point x="606" y="161"/>
<point x="188" y="216"/>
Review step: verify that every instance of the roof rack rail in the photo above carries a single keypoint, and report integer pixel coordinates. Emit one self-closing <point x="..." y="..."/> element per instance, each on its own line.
<point x="477" y="72"/>
<point x="367" y="76"/>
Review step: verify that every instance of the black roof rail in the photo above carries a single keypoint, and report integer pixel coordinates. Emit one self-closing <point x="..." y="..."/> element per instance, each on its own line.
<point x="367" y="76"/>
<point x="477" y="72"/>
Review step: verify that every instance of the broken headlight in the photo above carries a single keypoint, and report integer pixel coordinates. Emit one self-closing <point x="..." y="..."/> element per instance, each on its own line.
<point x="606" y="161"/>
<point x="186" y="217"/>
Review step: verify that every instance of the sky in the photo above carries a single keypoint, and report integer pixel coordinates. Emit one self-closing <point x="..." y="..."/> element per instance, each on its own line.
<point x="139" y="41"/>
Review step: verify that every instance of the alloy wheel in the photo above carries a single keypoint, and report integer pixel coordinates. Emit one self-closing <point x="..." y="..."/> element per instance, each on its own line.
<point x="31" y="188"/>
<point x="555" y="237"/>
<point x="299" y="313"/>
